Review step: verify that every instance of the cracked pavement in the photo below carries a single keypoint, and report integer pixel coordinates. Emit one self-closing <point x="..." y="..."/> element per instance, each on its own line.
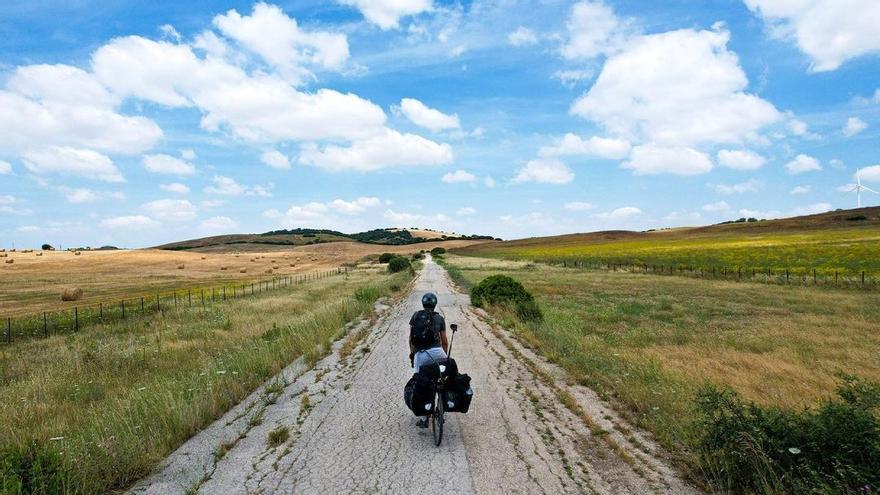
<point x="350" y="431"/>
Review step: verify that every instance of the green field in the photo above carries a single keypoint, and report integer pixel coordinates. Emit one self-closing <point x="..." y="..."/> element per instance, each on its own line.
<point x="649" y="343"/>
<point x="94" y="411"/>
<point x="838" y="244"/>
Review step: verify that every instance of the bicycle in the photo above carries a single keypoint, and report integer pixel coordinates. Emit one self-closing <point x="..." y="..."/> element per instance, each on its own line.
<point x="439" y="402"/>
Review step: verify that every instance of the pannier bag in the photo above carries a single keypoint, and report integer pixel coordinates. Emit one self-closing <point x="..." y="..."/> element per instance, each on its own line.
<point x="419" y="395"/>
<point x="459" y="393"/>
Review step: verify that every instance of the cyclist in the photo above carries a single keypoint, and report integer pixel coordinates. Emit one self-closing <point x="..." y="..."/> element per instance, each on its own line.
<point x="427" y="338"/>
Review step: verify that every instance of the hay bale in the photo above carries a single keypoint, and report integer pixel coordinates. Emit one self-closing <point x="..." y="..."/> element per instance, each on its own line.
<point x="71" y="294"/>
<point x="292" y="265"/>
<point x="10" y="261"/>
<point x="222" y="267"/>
<point x="269" y="271"/>
<point x="203" y="257"/>
<point x="180" y="266"/>
<point x="39" y="254"/>
<point x="243" y="270"/>
<point x="3" y="255"/>
<point x="76" y="253"/>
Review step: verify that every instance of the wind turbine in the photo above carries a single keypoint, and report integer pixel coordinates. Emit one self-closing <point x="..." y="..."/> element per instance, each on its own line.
<point x="858" y="188"/>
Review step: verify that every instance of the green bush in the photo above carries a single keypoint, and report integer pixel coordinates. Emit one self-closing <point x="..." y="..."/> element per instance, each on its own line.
<point x="438" y="250"/>
<point x="501" y="290"/>
<point x="418" y="256"/>
<point x="398" y="264"/>
<point x="386" y="257"/>
<point x="834" y="448"/>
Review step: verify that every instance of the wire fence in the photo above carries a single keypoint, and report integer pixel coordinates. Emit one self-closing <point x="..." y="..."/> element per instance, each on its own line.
<point x="47" y="323"/>
<point x="857" y="279"/>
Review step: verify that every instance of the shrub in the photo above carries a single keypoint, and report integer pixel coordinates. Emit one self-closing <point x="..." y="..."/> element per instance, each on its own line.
<point x="278" y="436"/>
<point x="386" y="257"/>
<point x="398" y="264"/>
<point x="47" y="247"/>
<point x="418" y="256"/>
<point x="834" y="448"/>
<point x="438" y="250"/>
<point x="502" y="290"/>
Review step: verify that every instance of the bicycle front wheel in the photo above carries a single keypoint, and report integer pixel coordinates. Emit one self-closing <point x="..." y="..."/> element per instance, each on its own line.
<point x="437" y="420"/>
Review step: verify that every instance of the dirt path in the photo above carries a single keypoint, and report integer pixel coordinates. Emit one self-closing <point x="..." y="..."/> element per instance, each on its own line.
<point x="353" y="433"/>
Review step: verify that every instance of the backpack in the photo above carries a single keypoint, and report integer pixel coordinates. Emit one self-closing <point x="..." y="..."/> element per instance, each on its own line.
<point x="422" y="333"/>
<point x="418" y="394"/>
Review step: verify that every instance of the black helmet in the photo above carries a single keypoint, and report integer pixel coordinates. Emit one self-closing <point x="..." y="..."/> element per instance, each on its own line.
<point x="429" y="300"/>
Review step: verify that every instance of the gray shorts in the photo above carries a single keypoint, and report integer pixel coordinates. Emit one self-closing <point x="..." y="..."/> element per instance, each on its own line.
<point x="427" y="356"/>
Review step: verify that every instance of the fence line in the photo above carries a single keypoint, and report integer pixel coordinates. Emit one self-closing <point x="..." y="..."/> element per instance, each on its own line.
<point x="768" y="274"/>
<point x="41" y="325"/>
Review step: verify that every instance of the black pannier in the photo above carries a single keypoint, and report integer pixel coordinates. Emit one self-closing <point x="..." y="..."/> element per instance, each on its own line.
<point x="458" y="393"/>
<point x="419" y="394"/>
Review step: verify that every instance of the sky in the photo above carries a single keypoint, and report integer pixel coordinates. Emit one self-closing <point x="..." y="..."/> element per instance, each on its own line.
<point x="134" y="123"/>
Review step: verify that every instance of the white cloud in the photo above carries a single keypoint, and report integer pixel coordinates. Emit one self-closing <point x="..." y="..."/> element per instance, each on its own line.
<point x="649" y="159"/>
<point x="458" y="176"/>
<point x="800" y="190"/>
<point x="387" y="13"/>
<point x="689" y="91"/>
<point x="466" y="211"/>
<point x="261" y="107"/>
<point x="715" y="207"/>
<point x="570" y="77"/>
<point x="60" y="105"/>
<point x="429" y="118"/>
<point x="579" y="206"/>
<point x="749" y="186"/>
<point x="218" y="225"/>
<point x="619" y="213"/>
<point x="174" y="210"/>
<point x="212" y="203"/>
<point x="388" y="149"/>
<point x="802" y="163"/>
<point x="544" y="170"/>
<point x="854" y="125"/>
<point x="226" y="186"/>
<point x="797" y="127"/>
<point x="741" y="159"/>
<point x="6" y="199"/>
<point x="307" y="215"/>
<point x="593" y="30"/>
<point x="836" y="163"/>
<point x="262" y="191"/>
<point x="167" y="164"/>
<point x="72" y="161"/>
<point x="355" y="207"/>
<point x="489" y="181"/>
<point x="572" y="144"/>
<point x="279" y="40"/>
<point x="812" y="209"/>
<point x="188" y="154"/>
<point x="175" y="187"/>
<point x="870" y="174"/>
<point x="82" y="195"/>
<point x="523" y="36"/>
<point x="413" y="219"/>
<point x="132" y="222"/>
<point x="28" y="228"/>
<point x="5" y="168"/>
<point x="275" y="159"/>
<point x="830" y="32"/>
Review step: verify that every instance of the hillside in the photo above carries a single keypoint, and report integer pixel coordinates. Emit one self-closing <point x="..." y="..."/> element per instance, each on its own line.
<point x="282" y="239"/>
<point x="846" y="240"/>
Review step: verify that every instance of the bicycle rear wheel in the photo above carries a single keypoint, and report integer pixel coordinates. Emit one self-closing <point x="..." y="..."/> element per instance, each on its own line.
<point x="437" y="419"/>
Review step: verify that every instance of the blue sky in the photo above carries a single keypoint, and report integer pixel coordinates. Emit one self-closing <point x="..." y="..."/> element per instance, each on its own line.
<point x="135" y="123"/>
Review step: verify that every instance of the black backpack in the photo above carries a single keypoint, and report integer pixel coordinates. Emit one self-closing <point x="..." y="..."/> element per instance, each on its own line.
<point x="422" y="333"/>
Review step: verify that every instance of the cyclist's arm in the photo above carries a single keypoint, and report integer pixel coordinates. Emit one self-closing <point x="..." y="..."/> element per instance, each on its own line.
<point x="444" y="342"/>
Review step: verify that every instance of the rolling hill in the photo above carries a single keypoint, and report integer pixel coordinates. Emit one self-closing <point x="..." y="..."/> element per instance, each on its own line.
<point x="846" y="240"/>
<point x="302" y="237"/>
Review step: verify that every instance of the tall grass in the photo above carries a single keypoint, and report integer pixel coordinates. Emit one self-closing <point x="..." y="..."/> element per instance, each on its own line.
<point x="95" y="411"/>
<point x="648" y="344"/>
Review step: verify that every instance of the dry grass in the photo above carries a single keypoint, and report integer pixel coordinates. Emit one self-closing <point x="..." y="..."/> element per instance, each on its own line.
<point x="650" y="341"/>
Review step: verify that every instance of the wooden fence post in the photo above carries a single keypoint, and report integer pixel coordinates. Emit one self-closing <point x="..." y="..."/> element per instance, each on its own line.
<point x="123" y="308"/>
<point x="45" y="325"/>
<point x="142" y="305"/>
<point x="101" y="309"/>
<point x="787" y="276"/>
<point x="863" y="277"/>
<point x="224" y="292"/>
<point x="189" y="297"/>
<point x="158" y="306"/>
<point x="8" y="330"/>
<point x="76" y="318"/>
